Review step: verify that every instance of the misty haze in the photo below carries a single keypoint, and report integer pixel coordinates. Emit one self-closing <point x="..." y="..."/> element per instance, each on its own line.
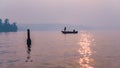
<point x="59" y="34"/>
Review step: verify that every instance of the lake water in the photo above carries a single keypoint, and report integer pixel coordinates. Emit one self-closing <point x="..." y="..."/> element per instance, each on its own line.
<point x="87" y="49"/>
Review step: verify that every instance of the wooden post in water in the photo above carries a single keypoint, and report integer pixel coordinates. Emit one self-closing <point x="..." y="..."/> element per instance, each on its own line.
<point x="28" y="33"/>
<point x="28" y="39"/>
<point x="28" y="46"/>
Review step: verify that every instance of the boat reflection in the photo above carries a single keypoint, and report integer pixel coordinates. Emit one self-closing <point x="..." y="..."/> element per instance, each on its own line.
<point x="86" y="40"/>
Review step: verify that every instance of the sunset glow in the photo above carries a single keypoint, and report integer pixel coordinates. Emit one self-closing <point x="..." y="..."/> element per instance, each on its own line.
<point x="85" y="50"/>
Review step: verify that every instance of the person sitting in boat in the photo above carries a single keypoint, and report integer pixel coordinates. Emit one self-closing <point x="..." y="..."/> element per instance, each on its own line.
<point x="64" y="28"/>
<point x="74" y="30"/>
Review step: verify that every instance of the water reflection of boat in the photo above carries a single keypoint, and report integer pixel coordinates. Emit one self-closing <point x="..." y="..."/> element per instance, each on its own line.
<point x="69" y="32"/>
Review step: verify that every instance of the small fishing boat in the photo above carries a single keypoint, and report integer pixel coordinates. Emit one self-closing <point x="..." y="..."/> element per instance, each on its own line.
<point x="69" y="32"/>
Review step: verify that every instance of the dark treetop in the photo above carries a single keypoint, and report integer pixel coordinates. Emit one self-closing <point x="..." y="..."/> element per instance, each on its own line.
<point x="7" y="27"/>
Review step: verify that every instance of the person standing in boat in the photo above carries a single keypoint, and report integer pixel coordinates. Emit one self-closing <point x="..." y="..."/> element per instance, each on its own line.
<point x="64" y="28"/>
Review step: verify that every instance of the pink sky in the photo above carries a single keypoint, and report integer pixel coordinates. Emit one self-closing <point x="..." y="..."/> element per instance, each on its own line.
<point x="85" y="12"/>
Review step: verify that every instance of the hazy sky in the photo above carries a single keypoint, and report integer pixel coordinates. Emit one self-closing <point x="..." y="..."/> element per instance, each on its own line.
<point x="85" y="12"/>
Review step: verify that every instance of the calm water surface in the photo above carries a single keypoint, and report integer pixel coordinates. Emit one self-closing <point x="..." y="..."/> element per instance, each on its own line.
<point x="87" y="49"/>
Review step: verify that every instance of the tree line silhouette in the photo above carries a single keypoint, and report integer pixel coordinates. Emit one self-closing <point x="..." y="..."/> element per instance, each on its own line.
<point x="7" y="27"/>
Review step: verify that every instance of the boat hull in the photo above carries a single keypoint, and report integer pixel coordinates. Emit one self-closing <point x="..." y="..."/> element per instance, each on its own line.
<point x="69" y="32"/>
